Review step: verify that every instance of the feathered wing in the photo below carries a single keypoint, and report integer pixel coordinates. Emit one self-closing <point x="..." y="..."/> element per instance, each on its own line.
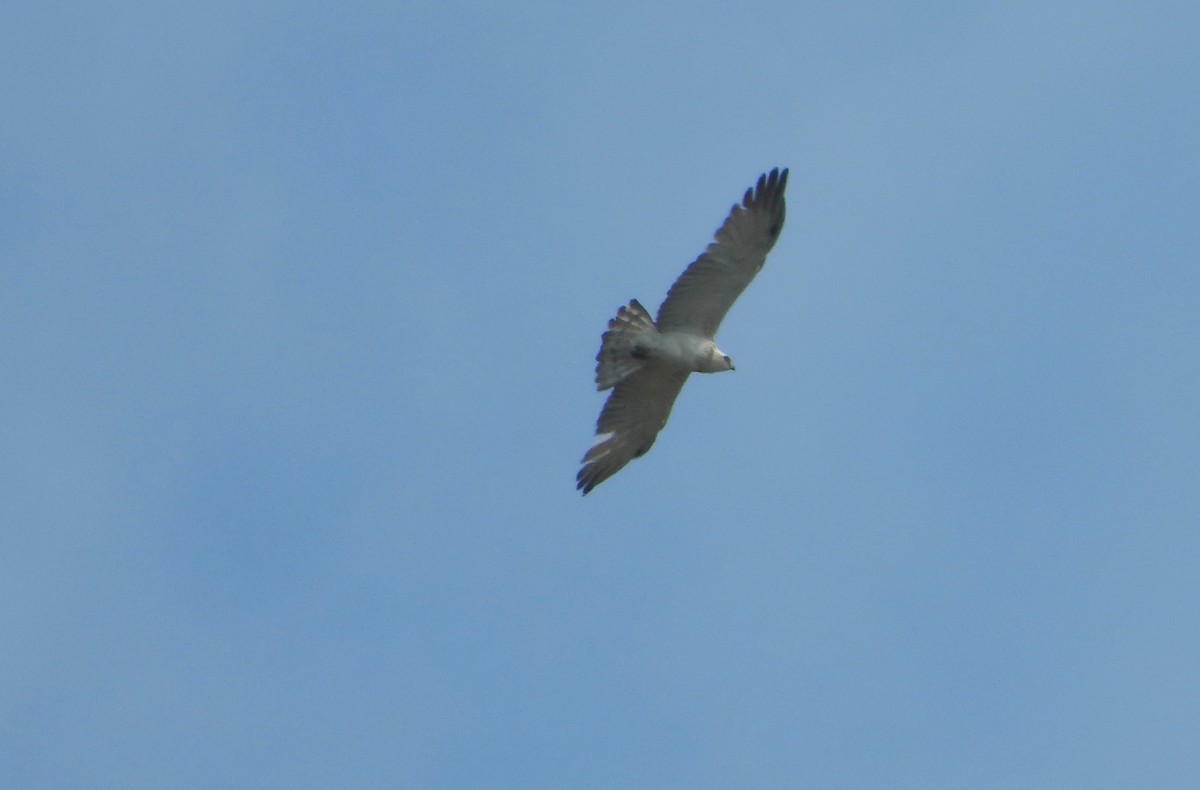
<point x="635" y="412"/>
<point x="706" y="290"/>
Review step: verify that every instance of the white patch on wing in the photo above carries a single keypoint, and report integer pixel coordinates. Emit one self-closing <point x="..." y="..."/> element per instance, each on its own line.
<point x="601" y="438"/>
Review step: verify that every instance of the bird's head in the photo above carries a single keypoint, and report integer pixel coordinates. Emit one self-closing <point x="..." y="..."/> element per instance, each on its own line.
<point x="719" y="361"/>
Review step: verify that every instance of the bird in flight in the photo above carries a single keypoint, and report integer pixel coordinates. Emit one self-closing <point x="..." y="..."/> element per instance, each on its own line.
<point x="645" y="362"/>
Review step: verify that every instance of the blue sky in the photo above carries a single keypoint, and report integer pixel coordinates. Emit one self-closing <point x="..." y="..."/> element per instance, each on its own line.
<point x="298" y="311"/>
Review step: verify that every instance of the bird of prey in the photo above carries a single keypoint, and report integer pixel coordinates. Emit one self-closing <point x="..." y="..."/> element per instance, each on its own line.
<point x="645" y="362"/>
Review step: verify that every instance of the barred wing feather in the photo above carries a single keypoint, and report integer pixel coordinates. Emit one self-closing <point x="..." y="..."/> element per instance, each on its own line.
<point x="635" y="412"/>
<point x="703" y="294"/>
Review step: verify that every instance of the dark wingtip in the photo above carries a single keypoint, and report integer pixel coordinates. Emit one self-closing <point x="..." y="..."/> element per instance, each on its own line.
<point x="776" y="180"/>
<point x="770" y="185"/>
<point x="769" y="191"/>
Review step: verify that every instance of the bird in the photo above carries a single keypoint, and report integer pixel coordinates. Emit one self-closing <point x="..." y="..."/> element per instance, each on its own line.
<point x="646" y="361"/>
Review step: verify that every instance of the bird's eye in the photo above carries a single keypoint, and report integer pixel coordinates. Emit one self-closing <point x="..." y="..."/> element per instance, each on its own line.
<point x="727" y="359"/>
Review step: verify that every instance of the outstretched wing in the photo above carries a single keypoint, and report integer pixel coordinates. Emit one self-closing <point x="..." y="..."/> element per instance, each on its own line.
<point x="706" y="290"/>
<point x="635" y="412"/>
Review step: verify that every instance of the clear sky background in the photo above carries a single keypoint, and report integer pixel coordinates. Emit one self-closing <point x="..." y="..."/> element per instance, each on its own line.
<point x="298" y="310"/>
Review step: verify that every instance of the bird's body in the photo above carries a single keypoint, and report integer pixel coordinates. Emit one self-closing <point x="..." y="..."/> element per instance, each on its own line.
<point x="686" y="350"/>
<point x="646" y="362"/>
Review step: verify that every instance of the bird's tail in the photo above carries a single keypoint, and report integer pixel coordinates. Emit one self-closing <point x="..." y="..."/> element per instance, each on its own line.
<point x="622" y="350"/>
